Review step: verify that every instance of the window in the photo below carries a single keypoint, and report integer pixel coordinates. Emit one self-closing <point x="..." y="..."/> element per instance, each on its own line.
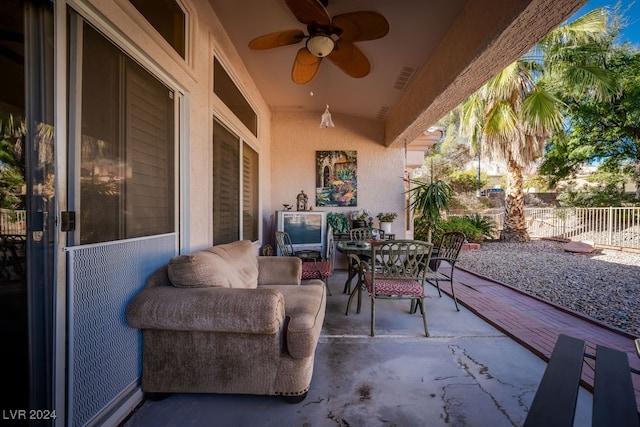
<point x="235" y="187"/>
<point x="124" y="160"/>
<point x="228" y="92"/>
<point x="250" y="190"/>
<point x="168" y="18"/>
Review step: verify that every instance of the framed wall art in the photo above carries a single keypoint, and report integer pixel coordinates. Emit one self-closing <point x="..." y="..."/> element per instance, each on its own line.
<point x="336" y="178"/>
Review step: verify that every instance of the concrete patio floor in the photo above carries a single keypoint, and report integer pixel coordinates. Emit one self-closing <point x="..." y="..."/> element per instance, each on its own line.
<point x="467" y="373"/>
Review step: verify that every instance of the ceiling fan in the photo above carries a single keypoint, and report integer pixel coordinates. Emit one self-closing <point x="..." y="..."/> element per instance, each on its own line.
<point x="327" y="37"/>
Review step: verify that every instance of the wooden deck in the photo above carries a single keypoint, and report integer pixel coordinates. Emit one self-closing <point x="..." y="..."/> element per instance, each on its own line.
<point x="536" y="324"/>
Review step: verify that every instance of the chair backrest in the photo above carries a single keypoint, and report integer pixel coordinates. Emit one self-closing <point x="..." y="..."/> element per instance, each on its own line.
<point x="362" y="233"/>
<point x="284" y="243"/>
<point x="328" y="255"/>
<point x="400" y="259"/>
<point x="450" y="245"/>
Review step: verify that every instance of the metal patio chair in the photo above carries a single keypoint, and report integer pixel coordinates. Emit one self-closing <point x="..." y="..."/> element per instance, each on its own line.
<point x="447" y="252"/>
<point x="396" y="271"/>
<point x="312" y="268"/>
<point x="358" y="235"/>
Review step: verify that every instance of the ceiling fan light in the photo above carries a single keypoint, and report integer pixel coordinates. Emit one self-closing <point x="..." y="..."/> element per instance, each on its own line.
<point x="320" y="46"/>
<point x="326" y="121"/>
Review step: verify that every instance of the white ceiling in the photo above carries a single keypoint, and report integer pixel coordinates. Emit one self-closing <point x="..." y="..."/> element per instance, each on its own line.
<point x="416" y="27"/>
<point x="454" y="46"/>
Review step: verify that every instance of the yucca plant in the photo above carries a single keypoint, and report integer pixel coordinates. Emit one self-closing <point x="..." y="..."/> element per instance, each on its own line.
<point x="428" y="201"/>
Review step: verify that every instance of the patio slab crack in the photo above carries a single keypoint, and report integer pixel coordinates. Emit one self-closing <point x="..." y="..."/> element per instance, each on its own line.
<point x="481" y="378"/>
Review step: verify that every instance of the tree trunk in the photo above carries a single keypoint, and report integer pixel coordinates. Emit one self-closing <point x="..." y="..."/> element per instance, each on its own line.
<point x="515" y="227"/>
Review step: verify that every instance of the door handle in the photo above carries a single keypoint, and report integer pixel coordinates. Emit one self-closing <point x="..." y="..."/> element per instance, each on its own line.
<point x="68" y="220"/>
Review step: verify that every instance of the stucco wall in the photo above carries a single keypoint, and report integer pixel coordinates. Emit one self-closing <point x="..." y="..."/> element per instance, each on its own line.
<point x="296" y="136"/>
<point x="193" y="77"/>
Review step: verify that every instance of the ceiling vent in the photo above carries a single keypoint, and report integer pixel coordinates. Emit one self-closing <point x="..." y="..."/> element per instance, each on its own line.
<point x="405" y="76"/>
<point x="382" y="114"/>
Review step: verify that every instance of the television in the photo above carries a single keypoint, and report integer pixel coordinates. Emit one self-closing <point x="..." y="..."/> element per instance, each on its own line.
<point x="307" y="229"/>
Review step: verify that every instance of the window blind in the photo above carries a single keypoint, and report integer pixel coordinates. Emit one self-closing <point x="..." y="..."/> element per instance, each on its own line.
<point x="226" y="185"/>
<point x="149" y="136"/>
<point x="126" y="169"/>
<point x="250" y="210"/>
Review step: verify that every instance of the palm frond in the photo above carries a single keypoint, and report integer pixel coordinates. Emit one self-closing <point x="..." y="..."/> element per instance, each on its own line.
<point x="504" y="84"/>
<point x="540" y="113"/>
<point x="596" y="81"/>
<point x="592" y="25"/>
<point x="472" y="120"/>
<point x="500" y="121"/>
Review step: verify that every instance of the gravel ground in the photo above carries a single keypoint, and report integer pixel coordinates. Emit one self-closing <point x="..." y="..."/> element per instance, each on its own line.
<point x="604" y="285"/>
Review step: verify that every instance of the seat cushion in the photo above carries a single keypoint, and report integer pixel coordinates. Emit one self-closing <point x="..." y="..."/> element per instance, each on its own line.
<point x="316" y="270"/>
<point x="396" y="287"/>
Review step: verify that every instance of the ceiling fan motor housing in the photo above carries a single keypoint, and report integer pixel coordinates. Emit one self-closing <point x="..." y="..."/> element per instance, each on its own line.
<point x="320" y="45"/>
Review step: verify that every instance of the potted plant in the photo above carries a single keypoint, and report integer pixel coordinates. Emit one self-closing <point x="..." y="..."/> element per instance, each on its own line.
<point x="386" y="218"/>
<point x="338" y="222"/>
<point x="360" y="217"/>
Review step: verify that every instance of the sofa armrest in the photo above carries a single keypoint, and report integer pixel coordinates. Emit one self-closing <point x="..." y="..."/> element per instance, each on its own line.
<point x="259" y="311"/>
<point x="279" y="270"/>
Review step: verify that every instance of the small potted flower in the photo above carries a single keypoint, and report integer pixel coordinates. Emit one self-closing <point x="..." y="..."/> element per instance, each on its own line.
<point x="359" y="218"/>
<point x="386" y="218"/>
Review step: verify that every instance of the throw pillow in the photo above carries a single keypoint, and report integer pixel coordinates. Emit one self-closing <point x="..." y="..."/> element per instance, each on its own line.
<point x="199" y="270"/>
<point x="241" y="257"/>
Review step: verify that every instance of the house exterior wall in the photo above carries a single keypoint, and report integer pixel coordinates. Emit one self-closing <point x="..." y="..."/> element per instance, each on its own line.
<point x="193" y="77"/>
<point x="296" y="136"/>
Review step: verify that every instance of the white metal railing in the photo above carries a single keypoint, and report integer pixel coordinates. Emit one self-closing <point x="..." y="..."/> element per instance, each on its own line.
<point x="612" y="226"/>
<point x="13" y="221"/>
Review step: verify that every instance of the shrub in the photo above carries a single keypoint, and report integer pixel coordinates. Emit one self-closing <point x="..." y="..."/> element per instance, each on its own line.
<point x="459" y="224"/>
<point x="604" y="195"/>
<point x="421" y="228"/>
<point x="483" y="223"/>
<point x="467" y="181"/>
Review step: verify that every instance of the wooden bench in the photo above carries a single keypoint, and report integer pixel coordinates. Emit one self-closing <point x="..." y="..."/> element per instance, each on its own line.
<point x="614" y="401"/>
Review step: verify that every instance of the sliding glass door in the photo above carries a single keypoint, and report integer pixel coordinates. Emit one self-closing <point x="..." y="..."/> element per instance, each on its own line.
<point x="27" y="203"/>
<point x="121" y="182"/>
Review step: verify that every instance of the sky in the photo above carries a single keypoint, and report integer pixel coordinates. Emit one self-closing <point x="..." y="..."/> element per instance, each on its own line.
<point x="631" y="9"/>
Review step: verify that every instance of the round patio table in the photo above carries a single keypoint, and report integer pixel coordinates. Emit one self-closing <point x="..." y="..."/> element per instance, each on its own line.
<point x="355" y="248"/>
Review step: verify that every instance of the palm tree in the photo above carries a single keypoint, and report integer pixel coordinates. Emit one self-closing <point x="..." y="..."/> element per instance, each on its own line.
<point x="513" y="115"/>
<point x="12" y="136"/>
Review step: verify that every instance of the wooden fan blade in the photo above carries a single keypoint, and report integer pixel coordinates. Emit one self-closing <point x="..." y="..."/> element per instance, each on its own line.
<point x="350" y="59"/>
<point x="308" y="11"/>
<point x="305" y="66"/>
<point x="361" y="26"/>
<point x="277" y="39"/>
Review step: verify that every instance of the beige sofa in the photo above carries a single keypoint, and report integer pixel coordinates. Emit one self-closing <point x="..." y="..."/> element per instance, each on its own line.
<point x="225" y="321"/>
